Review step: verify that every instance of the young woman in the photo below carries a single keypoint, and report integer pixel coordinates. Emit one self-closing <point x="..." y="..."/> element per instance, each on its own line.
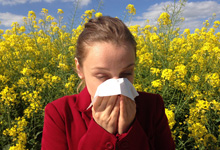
<point x="106" y="50"/>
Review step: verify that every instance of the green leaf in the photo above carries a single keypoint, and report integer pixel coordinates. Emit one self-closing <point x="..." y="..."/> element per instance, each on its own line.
<point x="217" y="120"/>
<point x="7" y="147"/>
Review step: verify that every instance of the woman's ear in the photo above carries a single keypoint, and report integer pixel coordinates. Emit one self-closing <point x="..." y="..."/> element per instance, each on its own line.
<point x="79" y="69"/>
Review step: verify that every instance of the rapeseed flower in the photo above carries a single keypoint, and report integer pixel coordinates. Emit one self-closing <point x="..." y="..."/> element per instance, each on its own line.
<point x="131" y="9"/>
<point x="98" y="14"/>
<point x="210" y="141"/>
<point x="171" y="118"/>
<point x="60" y="11"/>
<point x="157" y="83"/>
<point x="164" y="19"/>
<point x="155" y="71"/>
<point x="195" y="78"/>
<point x="213" y="79"/>
<point x="1" y="31"/>
<point x="167" y="74"/>
<point x="44" y="10"/>
<point x="31" y="15"/>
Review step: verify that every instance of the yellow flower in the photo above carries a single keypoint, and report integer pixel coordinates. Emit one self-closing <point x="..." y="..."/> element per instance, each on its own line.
<point x="187" y="31"/>
<point x="63" y="66"/>
<point x="180" y="71"/>
<point x="155" y="71"/>
<point x="215" y="105"/>
<point x="216" y="24"/>
<point x="60" y="11"/>
<point x="26" y="71"/>
<point x="138" y="87"/>
<point x="155" y="29"/>
<point x="14" y="24"/>
<point x="195" y="78"/>
<point x="31" y="15"/>
<point x="8" y="96"/>
<point x="56" y="79"/>
<point x="40" y="21"/>
<point x="1" y="31"/>
<point x="89" y="13"/>
<point x="154" y="38"/>
<point x="206" y="23"/>
<point x="145" y="59"/>
<point x="210" y="141"/>
<point x="213" y="79"/>
<point x="44" y="10"/>
<point x="171" y="118"/>
<point x="131" y="9"/>
<point x="198" y="130"/>
<point x="22" y="29"/>
<point x="157" y="83"/>
<point x="98" y="14"/>
<point x="164" y="19"/>
<point x="49" y="18"/>
<point x="167" y="74"/>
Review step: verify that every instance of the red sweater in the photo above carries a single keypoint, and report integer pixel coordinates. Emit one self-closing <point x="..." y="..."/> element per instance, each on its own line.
<point x="68" y="125"/>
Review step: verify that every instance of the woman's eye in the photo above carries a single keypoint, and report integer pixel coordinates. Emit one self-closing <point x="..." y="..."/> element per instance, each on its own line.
<point x="101" y="76"/>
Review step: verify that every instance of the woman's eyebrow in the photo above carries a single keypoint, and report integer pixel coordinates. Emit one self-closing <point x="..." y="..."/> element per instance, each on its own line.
<point x="103" y="68"/>
<point x="99" y="68"/>
<point x="132" y="64"/>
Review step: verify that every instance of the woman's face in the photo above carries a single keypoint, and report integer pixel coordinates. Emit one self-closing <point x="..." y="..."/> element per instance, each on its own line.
<point x="106" y="61"/>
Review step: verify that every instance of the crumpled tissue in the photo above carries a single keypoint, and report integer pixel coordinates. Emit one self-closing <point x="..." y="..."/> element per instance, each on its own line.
<point x="121" y="86"/>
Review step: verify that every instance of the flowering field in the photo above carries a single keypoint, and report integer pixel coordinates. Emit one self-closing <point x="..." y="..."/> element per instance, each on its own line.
<point x="37" y="67"/>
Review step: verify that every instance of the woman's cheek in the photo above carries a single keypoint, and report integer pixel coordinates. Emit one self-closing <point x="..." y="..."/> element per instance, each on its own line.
<point x="93" y="87"/>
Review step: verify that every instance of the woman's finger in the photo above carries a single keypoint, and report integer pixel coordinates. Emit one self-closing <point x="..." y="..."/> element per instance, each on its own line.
<point x="106" y="113"/>
<point x="110" y="104"/>
<point x="115" y="111"/>
<point x="97" y="102"/>
<point x="127" y="114"/>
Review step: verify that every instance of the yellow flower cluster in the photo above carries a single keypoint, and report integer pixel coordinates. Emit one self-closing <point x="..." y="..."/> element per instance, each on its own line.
<point x="60" y="11"/>
<point x="18" y="134"/>
<point x="33" y="66"/>
<point x="198" y="121"/>
<point x="87" y="15"/>
<point x="164" y="19"/>
<point x="8" y="97"/>
<point x="131" y="9"/>
<point x="37" y="61"/>
<point x="185" y="70"/>
<point x="171" y="118"/>
<point x="98" y="14"/>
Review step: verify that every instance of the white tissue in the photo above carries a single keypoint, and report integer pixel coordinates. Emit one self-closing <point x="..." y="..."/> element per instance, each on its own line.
<point x="121" y="86"/>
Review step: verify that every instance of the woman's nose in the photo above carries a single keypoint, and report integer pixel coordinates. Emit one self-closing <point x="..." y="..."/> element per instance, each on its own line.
<point x="115" y="77"/>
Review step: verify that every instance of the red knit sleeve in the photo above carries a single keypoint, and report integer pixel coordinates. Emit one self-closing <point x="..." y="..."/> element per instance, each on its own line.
<point x="97" y="138"/>
<point x="135" y="138"/>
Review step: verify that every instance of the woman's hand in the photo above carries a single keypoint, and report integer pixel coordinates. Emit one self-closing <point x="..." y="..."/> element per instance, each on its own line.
<point x="126" y="115"/>
<point x="114" y="113"/>
<point x="105" y="112"/>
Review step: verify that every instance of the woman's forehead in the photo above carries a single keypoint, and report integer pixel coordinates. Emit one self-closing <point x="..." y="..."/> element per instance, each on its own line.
<point x="101" y="48"/>
<point x="109" y="49"/>
<point x="109" y="54"/>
